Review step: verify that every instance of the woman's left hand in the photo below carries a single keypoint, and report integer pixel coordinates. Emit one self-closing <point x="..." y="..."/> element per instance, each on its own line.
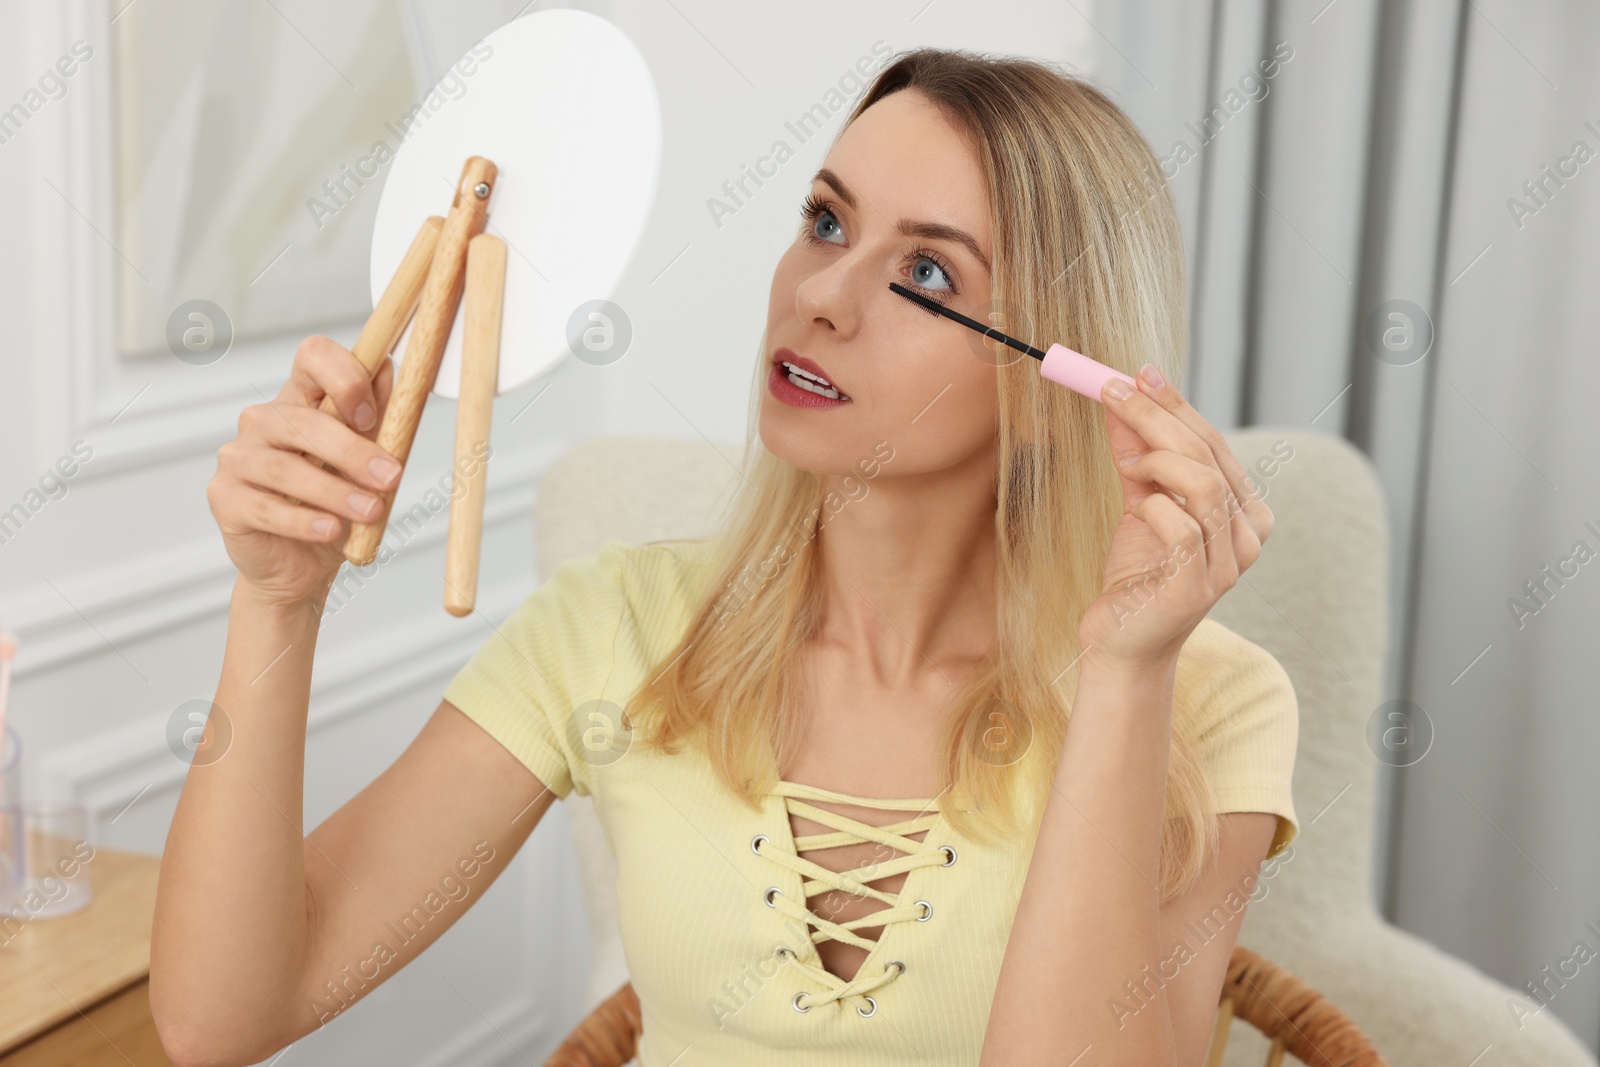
<point x="1169" y="562"/>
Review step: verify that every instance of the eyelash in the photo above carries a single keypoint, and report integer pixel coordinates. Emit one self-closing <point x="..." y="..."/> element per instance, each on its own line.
<point x="813" y="207"/>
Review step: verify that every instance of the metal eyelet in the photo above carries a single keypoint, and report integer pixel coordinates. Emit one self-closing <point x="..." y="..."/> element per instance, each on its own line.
<point x="895" y="963"/>
<point x="796" y="1003"/>
<point x="948" y="851"/>
<point x="755" y="843"/>
<point x="868" y="1014"/>
<point x="769" y="894"/>
<point x="785" y="952"/>
<point x="927" y="911"/>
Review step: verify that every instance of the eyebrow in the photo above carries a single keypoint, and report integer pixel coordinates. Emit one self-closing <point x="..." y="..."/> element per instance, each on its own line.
<point x="933" y="231"/>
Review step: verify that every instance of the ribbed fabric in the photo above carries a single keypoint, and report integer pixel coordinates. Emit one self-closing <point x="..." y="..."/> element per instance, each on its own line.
<point x="708" y="955"/>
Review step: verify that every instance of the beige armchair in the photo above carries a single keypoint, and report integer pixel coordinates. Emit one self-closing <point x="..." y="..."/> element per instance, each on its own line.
<point x="1315" y="600"/>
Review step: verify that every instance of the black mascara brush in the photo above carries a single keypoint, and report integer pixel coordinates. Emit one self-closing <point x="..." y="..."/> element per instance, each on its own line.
<point x="1059" y="364"/>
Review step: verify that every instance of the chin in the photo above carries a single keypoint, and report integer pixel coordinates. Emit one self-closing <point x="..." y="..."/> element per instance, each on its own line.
<point x="858" y="456"/>
<point x="794" y="444"/>
<point x="785" y="433"/>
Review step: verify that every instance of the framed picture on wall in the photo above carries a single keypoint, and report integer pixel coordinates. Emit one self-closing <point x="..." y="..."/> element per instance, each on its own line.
<point x="251" y="142"/>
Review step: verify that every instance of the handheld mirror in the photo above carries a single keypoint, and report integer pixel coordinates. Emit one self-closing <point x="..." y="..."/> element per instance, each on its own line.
<point x="566" y="109"/>
<point x="526" y="194"/>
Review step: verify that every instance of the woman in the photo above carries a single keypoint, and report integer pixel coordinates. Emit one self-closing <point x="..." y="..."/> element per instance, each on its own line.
<point x="937" y="559"/>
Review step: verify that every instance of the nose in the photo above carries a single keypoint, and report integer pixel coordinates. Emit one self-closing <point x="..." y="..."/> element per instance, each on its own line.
<point x="833" y="296"/>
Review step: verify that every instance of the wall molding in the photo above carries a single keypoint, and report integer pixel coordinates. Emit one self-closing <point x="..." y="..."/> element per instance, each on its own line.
<point x="108" y="771"/>
<point x="145" y="598"/>
<point x="149" y="595"/>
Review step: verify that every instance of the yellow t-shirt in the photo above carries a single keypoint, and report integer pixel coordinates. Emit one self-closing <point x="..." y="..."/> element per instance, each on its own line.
<point x="714" y="921"/>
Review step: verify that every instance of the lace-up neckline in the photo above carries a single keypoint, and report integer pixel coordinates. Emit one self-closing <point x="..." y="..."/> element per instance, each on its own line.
<point x="816" y="879"/>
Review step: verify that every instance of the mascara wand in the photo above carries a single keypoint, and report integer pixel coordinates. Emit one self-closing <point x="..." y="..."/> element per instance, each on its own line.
<point x="1059" y="364"/>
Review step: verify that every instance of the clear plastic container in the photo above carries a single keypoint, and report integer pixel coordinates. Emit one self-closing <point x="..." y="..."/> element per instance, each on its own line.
<point x="57" y="855"/>
<point x="13" y="871"/>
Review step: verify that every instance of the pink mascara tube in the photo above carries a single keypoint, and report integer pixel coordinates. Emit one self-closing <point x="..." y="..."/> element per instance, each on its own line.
<point x="1059" y="364"/>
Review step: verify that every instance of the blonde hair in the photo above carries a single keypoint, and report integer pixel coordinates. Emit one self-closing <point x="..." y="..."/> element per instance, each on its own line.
<point x="1088" y="252"/>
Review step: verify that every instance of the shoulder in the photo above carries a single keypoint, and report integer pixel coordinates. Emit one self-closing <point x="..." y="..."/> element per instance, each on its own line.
<point x="641" y="595"/>
<point x="660" y="570"/>
<point x="660" y="583"/>
<point x="589" y="633"/>
<point x="585" y="611"/>
<point x="1222" y="674"/>
<point x="643" y="576"/>
<point x="1237" y="702"/>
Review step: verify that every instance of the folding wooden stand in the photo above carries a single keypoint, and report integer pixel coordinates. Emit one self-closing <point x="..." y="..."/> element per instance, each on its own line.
<point x="447" y="257"/>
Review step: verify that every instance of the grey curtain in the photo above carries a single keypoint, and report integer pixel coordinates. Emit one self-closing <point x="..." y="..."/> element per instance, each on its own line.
<point x="1392" y="238"/>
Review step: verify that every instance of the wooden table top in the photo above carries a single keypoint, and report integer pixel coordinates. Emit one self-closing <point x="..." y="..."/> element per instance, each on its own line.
<point x="53" y="968"/>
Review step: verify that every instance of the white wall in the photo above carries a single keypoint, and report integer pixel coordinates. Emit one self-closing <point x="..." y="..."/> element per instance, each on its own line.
<point x="119" y="588"/>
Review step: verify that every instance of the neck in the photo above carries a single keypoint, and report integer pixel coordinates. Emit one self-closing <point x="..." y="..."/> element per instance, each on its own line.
<point x="908" y="571"/>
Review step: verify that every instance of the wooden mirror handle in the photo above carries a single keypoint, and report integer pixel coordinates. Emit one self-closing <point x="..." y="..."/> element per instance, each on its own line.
<point x="480" y="373"/>
<point x="436" y="313"/>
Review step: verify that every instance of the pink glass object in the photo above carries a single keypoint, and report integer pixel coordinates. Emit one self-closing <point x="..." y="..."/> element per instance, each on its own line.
<point x="1077" y="371"/>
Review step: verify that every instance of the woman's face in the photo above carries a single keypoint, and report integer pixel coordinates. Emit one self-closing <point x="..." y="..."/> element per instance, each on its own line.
<point x="900" y="198"/>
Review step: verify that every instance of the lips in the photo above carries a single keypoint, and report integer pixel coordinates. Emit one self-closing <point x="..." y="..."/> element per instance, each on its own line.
<point x="811" y="369"/>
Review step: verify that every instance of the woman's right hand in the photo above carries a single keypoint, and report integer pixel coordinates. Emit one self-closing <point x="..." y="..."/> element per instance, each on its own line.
<point x="290" y="552"/>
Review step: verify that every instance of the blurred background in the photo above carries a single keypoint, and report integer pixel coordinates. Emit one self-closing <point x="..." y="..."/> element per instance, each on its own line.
<point x="1390" y="214"/>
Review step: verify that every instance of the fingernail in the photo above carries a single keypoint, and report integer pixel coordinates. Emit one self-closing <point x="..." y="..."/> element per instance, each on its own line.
<point x="1151" y="376"/>
<point x="363" y="503"/>
<point x="384" y="469"/>
<point x="365" y="416"/>
<point x="325" y="526"/>
<point x="1118" y="389"/>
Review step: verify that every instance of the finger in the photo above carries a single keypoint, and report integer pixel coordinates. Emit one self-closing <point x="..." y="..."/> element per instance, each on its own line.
<point x="303" y="429"/>
<point x="294" y="476"/>
<point x="1158" y="427"/>
<point x="1126" y="446"/>
<point x="1167" y="397"/>
<point x="323" y="367"/>
<point x="241" y="507"/>
<point x="1123" y="440"/>
<point x="1207" y="498"/>
<point x="1177" y="529"/>
<point x="1246" y="545"/>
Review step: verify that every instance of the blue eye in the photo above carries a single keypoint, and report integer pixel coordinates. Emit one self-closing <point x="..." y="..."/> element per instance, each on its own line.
<point x="820" y="219"/>
<point x="823" y="222"/>
<point x="928" y="274"/>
